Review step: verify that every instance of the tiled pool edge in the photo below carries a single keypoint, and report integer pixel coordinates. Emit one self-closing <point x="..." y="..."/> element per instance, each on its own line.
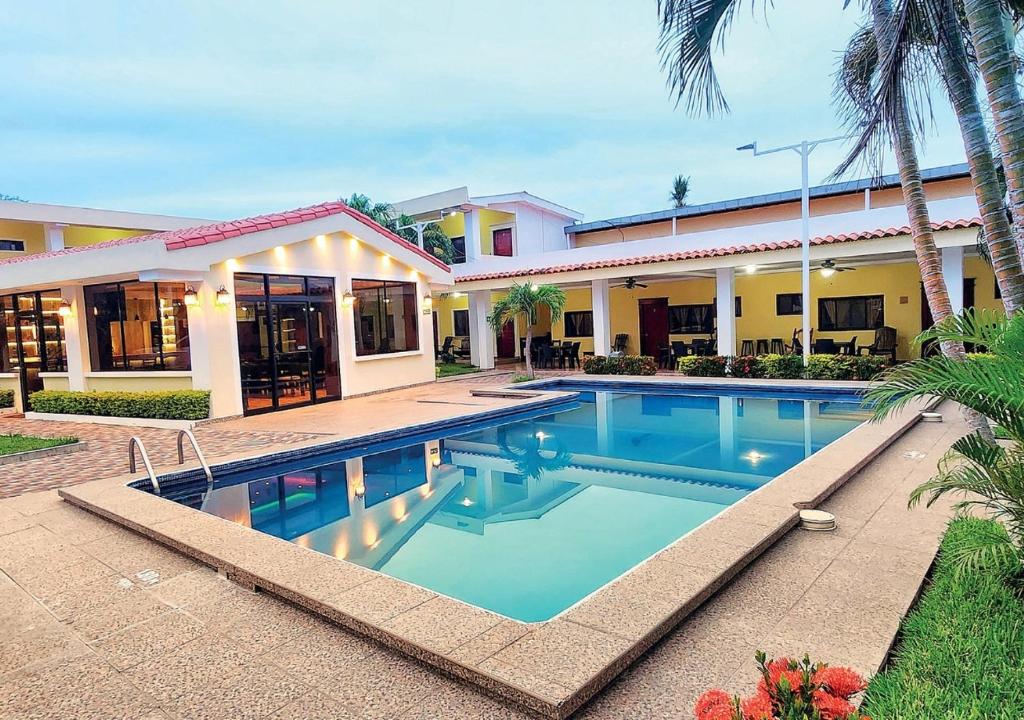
<point x="583" y="650"/>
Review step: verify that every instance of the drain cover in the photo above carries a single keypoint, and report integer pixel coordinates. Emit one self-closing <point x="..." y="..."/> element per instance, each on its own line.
<point x="817" y="520"/>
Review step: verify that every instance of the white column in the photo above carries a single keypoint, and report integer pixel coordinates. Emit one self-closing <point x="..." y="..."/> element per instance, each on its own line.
<point x="603" y="410"/>
<point x="725" y="285"/>
<point x="75" y="337"/>
<point x="472" y="233"/>
<point x="481" y="336"/>
<point x="727" y="431"/>
<point x="601" y="312"/>
<point x="54" y="236"/>
<point x="953" y="274"/>
<point x="213" y="346"/>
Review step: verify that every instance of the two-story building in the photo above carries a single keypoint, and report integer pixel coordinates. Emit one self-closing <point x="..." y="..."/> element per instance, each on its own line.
<point x="724" y="274"/>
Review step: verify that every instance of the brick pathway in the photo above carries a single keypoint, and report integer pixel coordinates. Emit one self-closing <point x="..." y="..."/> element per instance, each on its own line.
<point x="106" y="451"/>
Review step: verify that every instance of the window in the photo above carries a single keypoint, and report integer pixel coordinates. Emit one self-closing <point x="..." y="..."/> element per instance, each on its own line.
<point x="10" y="245"/>
<point x="385" y="317"/>
<point x="460" y="322"/>
<point x="34" y="332"/>
<point x="137" y="326"/>
<point x="459" y="244"/>
<point x="738" y="306"/>
<point x="789" y="304"/>
<point x="691" y="319"/>
<point x="866" y="312"/>
<point x="579" y="324"/>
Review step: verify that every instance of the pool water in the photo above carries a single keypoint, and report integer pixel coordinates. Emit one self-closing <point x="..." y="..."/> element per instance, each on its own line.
<point x="529" y="515"/>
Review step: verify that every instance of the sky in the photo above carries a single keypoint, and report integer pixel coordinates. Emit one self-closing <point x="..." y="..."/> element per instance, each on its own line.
<point x="223" y="109"/>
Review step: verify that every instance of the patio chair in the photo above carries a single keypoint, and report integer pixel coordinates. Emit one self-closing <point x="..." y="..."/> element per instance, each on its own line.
<point x="572" y="357"/>
<point x="886" y="340"/>
<point x="446" y="348"/>
<point x="679" y="350"/>
<point x="824" y="346"/>
<point x="747" y="348"/>
<point x="545" y="356"/>
<point x="797" y="346"/>
<point x="621" y="343"/>
<point x="463" y="350"/>
<point x="664" y="357"/>
<point x="702" y="347"/>
<point x="762" y="347"/>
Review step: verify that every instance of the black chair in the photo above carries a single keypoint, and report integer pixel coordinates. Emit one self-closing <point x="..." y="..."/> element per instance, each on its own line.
<point x="762" y="347"/>
<point x="573" y="356"/>
<point x="446" y="349"/>
<point x="797" y="348"/>
<point x="665" y="356"/>
<point x="885" y="343"/>
<point x="702" y="347"/>
<point x="747" y="348"/>
<point x="678" y="350"/>
<point x="464" y="349"/>
<point x="621" y="343"/>
<point x="777" y="347"/>
<point x="546" y="356"/>
<point x="824" y="346"/>
<point x="849" y="347"/>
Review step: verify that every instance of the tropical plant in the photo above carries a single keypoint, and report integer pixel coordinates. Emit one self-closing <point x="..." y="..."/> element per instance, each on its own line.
<point x="620" y="365"/>
<point x="533" y="453"/>
<point x="434" y="238"/>
<point x="680" y="191"/>
<point x="990" y="476"/>
<point x="525" y="300"/>
<point x="789" y="690"/>
<point x="11" y="198"/>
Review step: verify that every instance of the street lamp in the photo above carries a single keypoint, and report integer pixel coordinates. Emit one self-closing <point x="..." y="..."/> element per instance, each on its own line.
<point x="804" y="148"/>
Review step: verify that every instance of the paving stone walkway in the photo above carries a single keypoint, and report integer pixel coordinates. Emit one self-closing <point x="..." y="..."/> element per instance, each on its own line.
<point x="96" y="622"/>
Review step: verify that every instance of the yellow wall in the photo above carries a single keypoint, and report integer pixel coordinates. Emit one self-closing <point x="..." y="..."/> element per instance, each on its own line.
<point x="144" y="381"/>
<point x="75" y="236"/>
<point x="31" y="233"/>
<point x="455" y="226"/>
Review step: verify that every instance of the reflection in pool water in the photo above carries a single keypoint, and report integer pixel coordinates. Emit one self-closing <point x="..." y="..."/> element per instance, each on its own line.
<point x="527" y="517"/>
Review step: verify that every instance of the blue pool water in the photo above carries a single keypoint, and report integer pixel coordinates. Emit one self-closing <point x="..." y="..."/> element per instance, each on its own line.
<point x="530" y="514"/>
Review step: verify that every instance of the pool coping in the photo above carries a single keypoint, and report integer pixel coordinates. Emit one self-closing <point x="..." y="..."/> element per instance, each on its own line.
<point x="551" y="668"/>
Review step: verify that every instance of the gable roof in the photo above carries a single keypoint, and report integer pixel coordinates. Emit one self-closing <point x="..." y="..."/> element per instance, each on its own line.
<point x="216" y="232"/>
<point x="716" y="252"/>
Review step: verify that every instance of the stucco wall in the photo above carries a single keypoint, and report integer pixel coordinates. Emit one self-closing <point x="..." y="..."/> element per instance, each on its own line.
<point x="137" y="382"/>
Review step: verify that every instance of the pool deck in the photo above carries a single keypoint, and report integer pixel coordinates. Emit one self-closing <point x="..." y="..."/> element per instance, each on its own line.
<point x="98" y="622"/>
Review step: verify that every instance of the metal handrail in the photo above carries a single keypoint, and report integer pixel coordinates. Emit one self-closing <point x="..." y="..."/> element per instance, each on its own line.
<point x="182" y="434"/>
<point x="136" y="442"/>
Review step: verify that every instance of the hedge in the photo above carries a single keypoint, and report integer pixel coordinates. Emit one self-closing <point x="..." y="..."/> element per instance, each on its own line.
<point x="161" y="405"/>
<point x="6" y="398"/>
<point x="623" y="365"/>
<point x="783" y="367"/>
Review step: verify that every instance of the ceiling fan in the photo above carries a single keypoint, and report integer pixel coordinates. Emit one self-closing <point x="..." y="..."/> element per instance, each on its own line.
<point x="829" y="268"/>
<point x="631" y="283"/>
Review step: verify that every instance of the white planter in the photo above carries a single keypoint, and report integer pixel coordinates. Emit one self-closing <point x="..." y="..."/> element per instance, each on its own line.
<point x="105" y="420"/>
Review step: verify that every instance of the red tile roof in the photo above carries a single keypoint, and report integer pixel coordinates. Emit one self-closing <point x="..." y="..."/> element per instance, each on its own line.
<point x="717" y="252"/>
<point x="206" y="234"/>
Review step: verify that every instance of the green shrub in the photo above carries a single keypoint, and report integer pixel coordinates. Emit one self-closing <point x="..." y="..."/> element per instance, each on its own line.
<point x="703" y="366"/>
<point x="961" y="650"/>
<point x="866" y="367"/>
<point x="844" y="367"/>
<point x="521" y="378"/>
<point x="6" y="398"/>
<point x="623" y="365"/>
<point x="745" y="366"/>
<point x="161" y="405"/>
<point x="782" y="367"/>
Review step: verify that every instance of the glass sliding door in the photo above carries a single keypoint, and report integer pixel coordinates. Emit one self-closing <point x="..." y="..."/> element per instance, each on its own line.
<point x="33" y="337"/>
<point x="287" y="341"/>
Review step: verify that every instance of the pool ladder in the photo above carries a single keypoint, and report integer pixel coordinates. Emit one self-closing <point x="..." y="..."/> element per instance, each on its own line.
<point x="136" y="442"/>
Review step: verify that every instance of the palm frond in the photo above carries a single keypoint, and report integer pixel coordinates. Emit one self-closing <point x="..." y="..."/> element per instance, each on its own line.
<point x="988" y="548"/>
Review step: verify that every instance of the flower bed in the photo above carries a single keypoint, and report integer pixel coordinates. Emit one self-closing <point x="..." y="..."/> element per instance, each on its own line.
<point x="623" y="365"/>
<point x="784" y="367"/>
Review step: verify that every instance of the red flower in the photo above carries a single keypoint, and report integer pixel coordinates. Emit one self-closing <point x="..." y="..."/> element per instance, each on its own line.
<point x="758" y="707"/>
<point x="714" y="705"/>
<point x="779" y="669"/>
<point x="831" y="707"/>
<point x="840" y="681"/>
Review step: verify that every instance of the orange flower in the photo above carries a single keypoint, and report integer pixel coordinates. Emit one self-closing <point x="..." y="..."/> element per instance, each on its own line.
<point x="831" y="707"/>
<point x="714" y="705"/>
<point x="840" y="681"/>
<point x="758" y="707"/>
<point x="779" y="669"/>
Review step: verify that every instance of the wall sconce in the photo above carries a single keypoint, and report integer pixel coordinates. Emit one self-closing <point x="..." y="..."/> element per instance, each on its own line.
<point x="435" y="456"/>
<point x="428" y="300"/>
<point x="359" y="490"/>
<point x="347" y="299"/>
<point x="191" y="296"/>
<point x="65" y="308"/>
<point x="223" y="296"/>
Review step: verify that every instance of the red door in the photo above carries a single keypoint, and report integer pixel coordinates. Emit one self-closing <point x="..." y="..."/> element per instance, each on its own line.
<point x="507" y="340"/>
<point x="653" y="325"/>
<point x="503" y="242"/>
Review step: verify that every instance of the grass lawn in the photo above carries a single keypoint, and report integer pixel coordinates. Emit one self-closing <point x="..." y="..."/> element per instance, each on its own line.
<point x="961" y="651"/>
<point x="450" y="369"/>
<point x="10" y="444"/>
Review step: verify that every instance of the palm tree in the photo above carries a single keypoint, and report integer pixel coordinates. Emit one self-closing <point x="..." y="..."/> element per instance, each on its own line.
<point x="434" y="238"/>
<point x="989" y="475"/>
<point x="991" y="36"/>
<point x="926" y="36"/>
<point x="381" y="213"/>
<point x="680" y="190"/>
<point x="524" y="300"/>
<point x="529" y="455"/>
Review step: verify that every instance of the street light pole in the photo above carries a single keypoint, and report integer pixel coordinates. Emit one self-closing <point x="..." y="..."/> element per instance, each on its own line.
<point x="804" y="148"/>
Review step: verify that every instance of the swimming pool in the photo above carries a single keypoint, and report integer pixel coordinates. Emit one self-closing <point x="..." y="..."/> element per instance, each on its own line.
<point x="528" y="514"/>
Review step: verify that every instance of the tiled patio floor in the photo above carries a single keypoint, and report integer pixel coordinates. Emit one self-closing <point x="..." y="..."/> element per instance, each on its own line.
<point x="97" y="622"/>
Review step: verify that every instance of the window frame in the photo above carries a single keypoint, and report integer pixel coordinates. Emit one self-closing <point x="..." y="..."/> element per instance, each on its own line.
<point x="459" y="255"/>
<point x="864" y="298"/>
<point x="778" y="304"/>
<point x="12" y="240"/>
<point x="574" y="313"/>
<point x="379" y="326"/>
<point x="687" y="329"/>
<point x="455" y="322"/>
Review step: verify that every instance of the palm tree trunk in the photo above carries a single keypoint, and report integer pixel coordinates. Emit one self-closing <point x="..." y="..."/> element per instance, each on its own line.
<point x="928" y="260"/>
<point x="994" y="50"/>
<point x="1002" y="248"/>
<point x="526" y="351"/>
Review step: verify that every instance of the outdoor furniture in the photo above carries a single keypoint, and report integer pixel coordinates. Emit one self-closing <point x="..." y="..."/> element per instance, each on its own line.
<point x="621" y="342"/>
<point x="746" y="348"/>
<point x="824" y="346"/>
<point x="679" y="350"/>
<point x="847" y="347"/>
<point x="885" y="343"/>
<point x="572" y="355"/>
<point x="702" y="347"/>
<point x="545" y="356"/>
<point x="777" y="347"/>
<point x="665" y="357"/>
<point x="446" y="349"/>
<point x="762" y="347"/>
<point x="464" y="348"/>
<point x="797" y="347"/>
